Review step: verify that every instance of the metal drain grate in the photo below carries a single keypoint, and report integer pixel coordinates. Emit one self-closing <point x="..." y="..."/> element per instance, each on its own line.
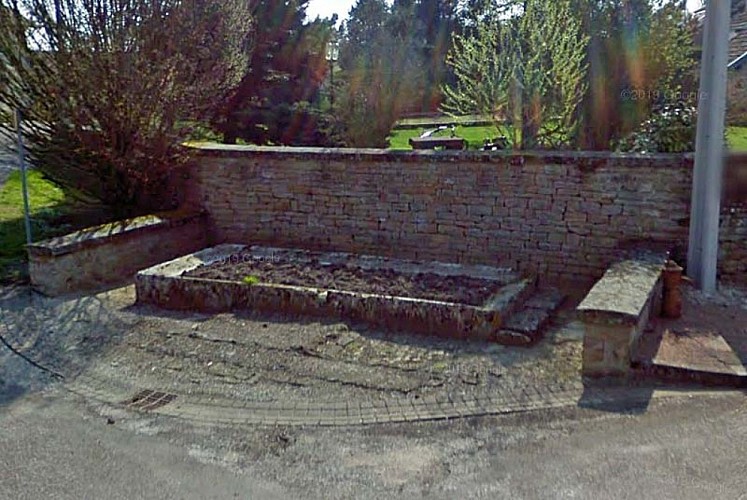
<point x="148" y="400"/>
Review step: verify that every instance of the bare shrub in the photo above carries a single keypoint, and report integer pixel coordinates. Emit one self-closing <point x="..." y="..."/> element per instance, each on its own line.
<point x="109" y="87"/>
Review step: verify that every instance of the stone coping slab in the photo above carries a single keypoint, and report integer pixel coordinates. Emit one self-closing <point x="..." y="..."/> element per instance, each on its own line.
<point x="707" y="353"/>
<point x="624" y="291"/>
<point x="616" y="313"/>
<point x="505" y="156"/>
<point x="99" y="235"/>
<point x="166" y="286"/>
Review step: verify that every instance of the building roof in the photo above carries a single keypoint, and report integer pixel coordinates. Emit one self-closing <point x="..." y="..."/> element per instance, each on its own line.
<point x="738" y="41"/>
<point x="738" y="35"/>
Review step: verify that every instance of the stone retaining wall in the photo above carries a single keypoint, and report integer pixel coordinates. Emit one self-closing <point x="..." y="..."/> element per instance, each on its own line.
<point x="733" y="255"/>
<point x="566" y="215"/>
<point x="110" y="254"/>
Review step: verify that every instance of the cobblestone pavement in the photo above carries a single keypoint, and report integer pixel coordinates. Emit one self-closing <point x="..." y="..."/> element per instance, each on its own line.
<point x="276" y="370"/>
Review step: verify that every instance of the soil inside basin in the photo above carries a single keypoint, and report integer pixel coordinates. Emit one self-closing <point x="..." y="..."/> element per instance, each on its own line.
<point x="314" y="274"/>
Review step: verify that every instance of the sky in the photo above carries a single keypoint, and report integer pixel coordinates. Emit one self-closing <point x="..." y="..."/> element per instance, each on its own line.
<point x="325" y="8"/>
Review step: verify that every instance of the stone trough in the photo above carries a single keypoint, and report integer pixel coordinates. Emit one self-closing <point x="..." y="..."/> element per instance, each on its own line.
<point x="168" y="286"/>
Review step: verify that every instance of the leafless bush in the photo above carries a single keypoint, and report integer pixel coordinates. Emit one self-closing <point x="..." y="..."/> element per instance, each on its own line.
<point x="109" y="87"/>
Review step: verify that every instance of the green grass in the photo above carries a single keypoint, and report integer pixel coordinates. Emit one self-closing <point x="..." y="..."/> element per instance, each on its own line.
<point x="251" y="280"/>
<point x="474" y="135"/>
<point x="737" y="137"/>
<point x="46" y="200"/>
<point x="399" y="140"/>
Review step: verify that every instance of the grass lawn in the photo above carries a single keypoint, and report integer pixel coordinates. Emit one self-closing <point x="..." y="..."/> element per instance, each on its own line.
<point x="737" y="137"/>
<point x="475" y="135"/>
<point x="47" y="201"/>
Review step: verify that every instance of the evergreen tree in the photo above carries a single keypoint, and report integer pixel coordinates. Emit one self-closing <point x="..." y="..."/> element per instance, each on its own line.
<point x="640" y="53"/>
<point x="439" y="20"/>
<point x="288" y="66"/>
<point x="381" y="70"/>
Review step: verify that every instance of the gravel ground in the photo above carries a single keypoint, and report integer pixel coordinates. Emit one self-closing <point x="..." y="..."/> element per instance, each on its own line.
<point x="266" y="358"/>
<point x="726" y="296"/>
<point x="250" y="357"/>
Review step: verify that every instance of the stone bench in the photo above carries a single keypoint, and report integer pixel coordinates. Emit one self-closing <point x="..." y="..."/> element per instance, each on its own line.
<point x="616" y="312"/>
<point x="110" y="254"/>
<point x="438" y="142"/>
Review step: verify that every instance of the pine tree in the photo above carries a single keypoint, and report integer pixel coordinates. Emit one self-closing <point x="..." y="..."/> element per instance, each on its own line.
<point x="287" y="69"/>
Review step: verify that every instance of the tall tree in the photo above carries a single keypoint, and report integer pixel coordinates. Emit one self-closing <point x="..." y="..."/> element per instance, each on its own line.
<point x="381" y="70"/>
<point x="439" y="20"/>
<point x="640" y="52"/>
<point x="286" y="71"/>
<point x="527" y="69"/>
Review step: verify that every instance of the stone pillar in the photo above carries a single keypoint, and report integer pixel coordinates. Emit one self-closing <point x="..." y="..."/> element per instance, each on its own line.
<point x="607" y="347"/>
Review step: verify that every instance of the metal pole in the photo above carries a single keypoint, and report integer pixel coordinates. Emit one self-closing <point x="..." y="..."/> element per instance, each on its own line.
<point x="332" y="84"/>
<point x="702" y="260"/>
<point x="24" y="179"/>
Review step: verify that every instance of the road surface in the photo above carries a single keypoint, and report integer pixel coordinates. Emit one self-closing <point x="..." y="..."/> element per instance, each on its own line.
<point x="55" y="445"/>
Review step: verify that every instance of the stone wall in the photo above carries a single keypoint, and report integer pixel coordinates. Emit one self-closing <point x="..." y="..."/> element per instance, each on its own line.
<point x="567" y="215"/>
<point x="733" y="252"/>
<point x="617" y="311"/>
<point x="111" y="254"/>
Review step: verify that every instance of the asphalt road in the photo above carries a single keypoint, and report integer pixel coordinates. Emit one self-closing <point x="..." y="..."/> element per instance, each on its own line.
<point x="55" y="445"/>
<point x="53" y="450"/>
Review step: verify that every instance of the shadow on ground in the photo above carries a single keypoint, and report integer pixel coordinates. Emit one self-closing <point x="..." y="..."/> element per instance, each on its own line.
<point x="48" y="340"/>
<point x="620" y="398"/>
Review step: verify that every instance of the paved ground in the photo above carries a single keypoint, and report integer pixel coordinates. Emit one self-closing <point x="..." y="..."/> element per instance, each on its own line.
<point x="264" y="367"/>
<point x="234" y="368"/>
<point x="54" y="447"/>
<point x="58" y="446"/>
<point x="710" y="338"/>
<point x="250" y="392"/>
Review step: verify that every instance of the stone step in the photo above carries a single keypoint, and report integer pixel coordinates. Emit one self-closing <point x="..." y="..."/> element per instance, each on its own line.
<point x="511" y="297"/>
<point x="529" y="322"/>
<point x="687" y="355"/>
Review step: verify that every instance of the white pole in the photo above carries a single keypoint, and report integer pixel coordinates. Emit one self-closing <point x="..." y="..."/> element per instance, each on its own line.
<point x="702" y="261"/>
<point x="24" y="179"/>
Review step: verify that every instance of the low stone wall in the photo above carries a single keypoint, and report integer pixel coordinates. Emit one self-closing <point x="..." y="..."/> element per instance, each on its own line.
<point x="617" y="311"/>
<point x="111" y="254"/>
<point x="166" y="286"/>
<point x="733" y="252"/>
<point x="567" y="215"/>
